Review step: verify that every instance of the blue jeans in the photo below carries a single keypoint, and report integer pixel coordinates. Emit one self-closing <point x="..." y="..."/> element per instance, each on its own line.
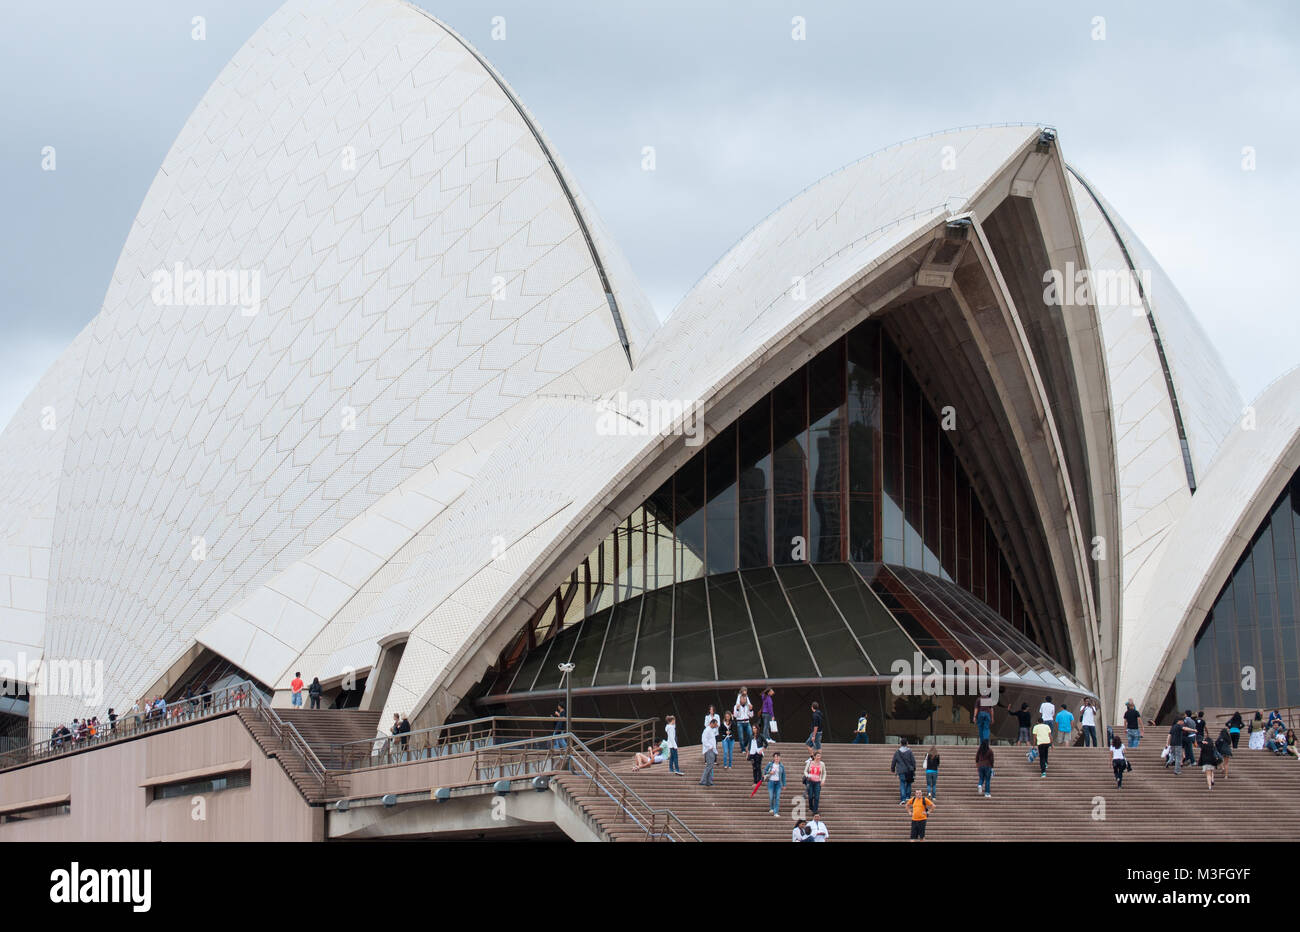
<point x="774" y="796"/>
<point x="727" y="745"/>
<point x="767" y="728"/>
<point x="814" y="796"/>
<point x="904" y="786"/>
<point x="744" y="733"/>
<point x="861" y="738"/>
<point x="672" y="760"/>
<point x="1134" y="736"/>
<point x="814" y="740"/>
<point x="986" y="779"/>
<point x="932" y="784"/>
<point x="1089" y="736"/>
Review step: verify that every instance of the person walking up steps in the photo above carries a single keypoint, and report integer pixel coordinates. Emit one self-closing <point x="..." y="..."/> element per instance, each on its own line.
<point x="903" y="765"/>
<point x="1209" y="761"/>
<point x="1235" y="725"/>
<point x="775" y="774"/>
<point x="1224" y="745"/>
<point x="919" y="809"/>
<point x="1064" y="725"/>
<point x="1132" y="724"/>
<point x="1119" y="764"/>
<point x="1043" y="738"/>
<point x="984" y="764"/>
<point x="1047" y="711"/>
<point x="983" y="722"/>
<point x="932" y="772"/>
<point x="670" y="729"/>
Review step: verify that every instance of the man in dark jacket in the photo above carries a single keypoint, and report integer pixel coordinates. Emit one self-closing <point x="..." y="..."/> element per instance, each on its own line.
<point x="904" y="765"/>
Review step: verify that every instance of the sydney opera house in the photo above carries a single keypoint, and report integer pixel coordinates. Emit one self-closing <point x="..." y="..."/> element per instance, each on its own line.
<point x="432" y="442"/>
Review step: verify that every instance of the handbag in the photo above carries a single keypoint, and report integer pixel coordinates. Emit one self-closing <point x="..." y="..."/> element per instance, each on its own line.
<point x="773" y="726"/>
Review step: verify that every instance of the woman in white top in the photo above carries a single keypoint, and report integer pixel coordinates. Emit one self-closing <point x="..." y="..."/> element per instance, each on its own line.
<point x="670" y="731"/>
<point x="756" y="757"/>
<point x="1118" y="762"/>
<point x="742" y="712"/>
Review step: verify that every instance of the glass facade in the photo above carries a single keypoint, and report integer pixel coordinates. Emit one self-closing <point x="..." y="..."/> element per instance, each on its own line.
<point x="824" y="621"/>
<point x="1249" y="635"/>
<point x="843" y="461"/>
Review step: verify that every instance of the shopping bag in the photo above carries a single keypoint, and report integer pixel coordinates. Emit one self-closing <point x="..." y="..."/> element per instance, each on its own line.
<point x="774" y="726"/>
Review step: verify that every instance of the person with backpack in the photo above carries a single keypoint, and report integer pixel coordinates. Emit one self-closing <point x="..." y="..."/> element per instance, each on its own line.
<point x="903" y="765"/>
<point x="918" y="807"/>
<point x="1209" y="761"/>
<point x="314" y="691"/>
<point x="1119" y="764"/>
<point x="814" y="777"/>
<point x="984" y="764"/>
<point x="774" y="773"/>
<point x="860" y="733"/>
<point x="1223" y="744"/>
<point x="932" y="772"/>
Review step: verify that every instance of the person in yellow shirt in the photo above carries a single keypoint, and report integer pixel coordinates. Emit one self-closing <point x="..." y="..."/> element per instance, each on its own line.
<point x="919" y="808"/>
<point x="1043" y="738"/>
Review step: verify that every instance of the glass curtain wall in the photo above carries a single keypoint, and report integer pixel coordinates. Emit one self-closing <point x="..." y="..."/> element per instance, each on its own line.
<point x="1249" y="637"/>
<point x="843" y="461"/>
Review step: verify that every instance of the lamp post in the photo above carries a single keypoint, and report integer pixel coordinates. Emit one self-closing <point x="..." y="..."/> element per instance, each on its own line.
<point x="567" y="669"/>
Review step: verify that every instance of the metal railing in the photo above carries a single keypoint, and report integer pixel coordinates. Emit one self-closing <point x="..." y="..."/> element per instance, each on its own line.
<point x="138" y="722"/>
<point x="289" y="736"/>
<point x="567" y="751"/>
<point x="606" y="735"/>
<point x="658" y="824"/>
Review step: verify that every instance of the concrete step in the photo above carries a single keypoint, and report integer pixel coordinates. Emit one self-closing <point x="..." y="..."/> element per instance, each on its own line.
<point x="1077" y="801"/>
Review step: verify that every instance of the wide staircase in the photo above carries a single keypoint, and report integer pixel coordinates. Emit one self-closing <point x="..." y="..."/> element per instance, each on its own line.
<point x="1077" y="801"/>
<point x="323" y="730"/>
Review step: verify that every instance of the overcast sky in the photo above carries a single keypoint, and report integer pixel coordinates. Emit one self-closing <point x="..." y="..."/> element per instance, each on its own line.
<point x="742" y="117"/>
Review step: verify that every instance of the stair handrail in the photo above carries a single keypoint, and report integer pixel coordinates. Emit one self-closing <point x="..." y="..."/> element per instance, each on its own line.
<point x="287" y="733"/>
<point x="383" y="749"/>
<point x="591" y="766"/>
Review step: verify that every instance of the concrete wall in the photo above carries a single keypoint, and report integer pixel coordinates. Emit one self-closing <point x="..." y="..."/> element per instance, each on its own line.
<point x="108" y="803"/>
